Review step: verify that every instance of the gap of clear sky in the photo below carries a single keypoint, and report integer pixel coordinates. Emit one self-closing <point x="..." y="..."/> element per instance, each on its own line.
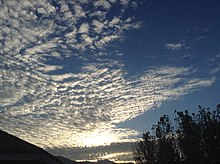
<point x="84" y="79"/>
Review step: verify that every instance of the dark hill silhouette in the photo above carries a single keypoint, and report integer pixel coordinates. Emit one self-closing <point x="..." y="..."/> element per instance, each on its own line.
<point x="66" y="160"/>
<point x="15" y="150"/>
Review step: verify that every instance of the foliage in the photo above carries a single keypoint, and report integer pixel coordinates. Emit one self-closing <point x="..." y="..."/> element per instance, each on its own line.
<point x="194" y="139"/>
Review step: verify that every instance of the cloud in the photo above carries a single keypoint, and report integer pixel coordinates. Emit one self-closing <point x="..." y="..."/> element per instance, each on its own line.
<point x="42" y="21"/>
<point x="215" y="70"/>
<point x="58" y="84"/>
<point x="84" y="28"/>
<point x="124" y="2"/>
<point x="72" y="106"/>
<point x="174" y="46"/>
<point x="49" y="68"/>
<point x="214" y="63"/>
<point x="98" y="26"/>
<point x="116" y="151"/>
<point x="218" y="55"/>
<point x="103" y="3"/>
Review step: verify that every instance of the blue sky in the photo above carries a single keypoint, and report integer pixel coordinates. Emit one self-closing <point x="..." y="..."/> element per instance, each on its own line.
<point x="84" y="79"/>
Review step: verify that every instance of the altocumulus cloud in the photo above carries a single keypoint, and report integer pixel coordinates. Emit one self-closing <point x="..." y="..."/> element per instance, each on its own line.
<point x="53" y="107"/>
<point x="174" y="46"/>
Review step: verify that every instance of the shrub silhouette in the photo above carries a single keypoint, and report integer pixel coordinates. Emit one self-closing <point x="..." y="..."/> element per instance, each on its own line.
<point x="194" y="139"/>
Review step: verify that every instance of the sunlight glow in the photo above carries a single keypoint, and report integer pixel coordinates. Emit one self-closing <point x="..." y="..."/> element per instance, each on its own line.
<point x="99" y="138"/>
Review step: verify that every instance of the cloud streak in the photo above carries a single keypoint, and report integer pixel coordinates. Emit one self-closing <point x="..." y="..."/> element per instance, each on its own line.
<point x="120" y="151"/>
<point x="174" y="46"/>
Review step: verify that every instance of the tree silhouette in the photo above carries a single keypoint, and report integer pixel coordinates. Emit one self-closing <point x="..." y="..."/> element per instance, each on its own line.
<point x="194" y="139"/>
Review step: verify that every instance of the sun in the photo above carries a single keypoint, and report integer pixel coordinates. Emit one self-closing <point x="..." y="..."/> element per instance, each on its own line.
<point x="98" y="139"/>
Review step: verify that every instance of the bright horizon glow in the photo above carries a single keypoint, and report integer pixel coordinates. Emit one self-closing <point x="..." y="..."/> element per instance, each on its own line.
<point x="98" y="139"/>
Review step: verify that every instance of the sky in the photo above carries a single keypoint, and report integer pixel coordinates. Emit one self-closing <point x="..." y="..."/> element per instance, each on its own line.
<point x="85" y="78"/>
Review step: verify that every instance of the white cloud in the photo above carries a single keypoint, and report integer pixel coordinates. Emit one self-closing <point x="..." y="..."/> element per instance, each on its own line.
<point x="174" y="46"/>
<point x="87" y="102"/>
<point x="62" y="76"/>
<point x="103" y="3"/>
<point x="112" y="1"/>
<point x="114" y="21"/>
<point x="215" y="70"/>
<point x="84" y="28"/>
<point x="105" y="40"/>
<point x="98" y="26"/>
<point x="80" y="13"/>
<point x="124" y="2"/>
<point x="49" y="68"/>
<point x="87" y="39"/>
<point x="134" y="4"/>
<point x="218" y="55"/>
